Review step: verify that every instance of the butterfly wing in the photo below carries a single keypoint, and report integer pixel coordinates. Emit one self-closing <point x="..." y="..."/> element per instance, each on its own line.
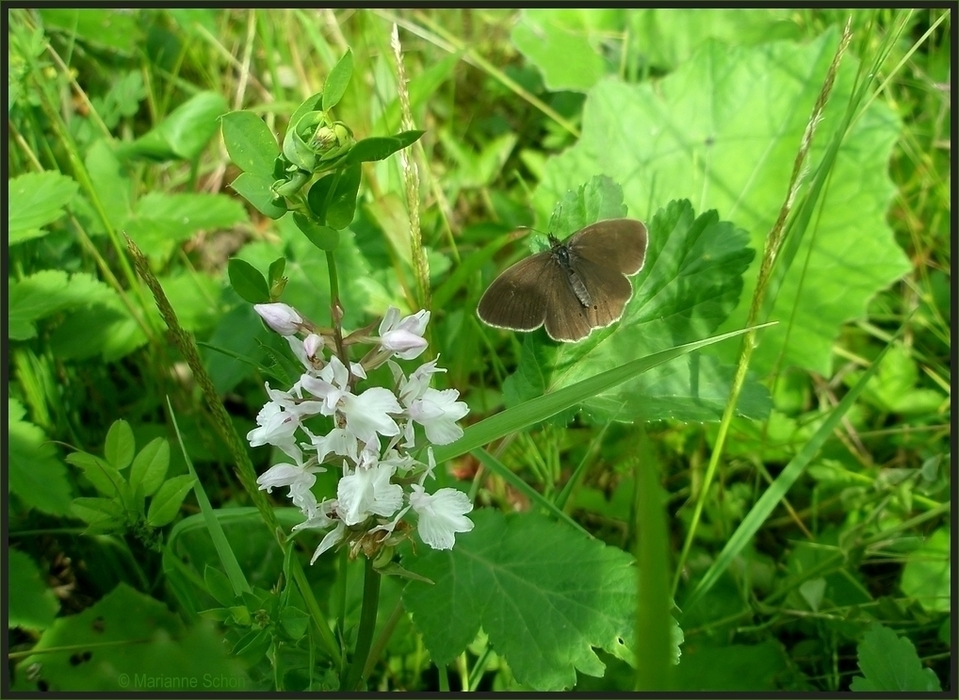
<point x="616" y="244"/>
<point x="609" y="292"/>
<point x="517" y="299"/>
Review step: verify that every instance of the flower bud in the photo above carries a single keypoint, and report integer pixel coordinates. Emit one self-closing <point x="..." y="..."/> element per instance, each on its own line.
<point x="282" y="318"/>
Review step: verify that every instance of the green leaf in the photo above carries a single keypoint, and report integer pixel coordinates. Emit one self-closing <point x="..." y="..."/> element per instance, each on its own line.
<point x="690" y="282"/>
<point x="776" y="491"/>
<point x="150" y="466"/>
<point x="166" y="504"/>
<point x="248" y="282"/>
<point x="219" y="586"/>
<point x="194" y="297"/>
<point x="275" y="271"/>
<point x="338" y="80"/>
<point x="120" y="445"/>
<point x="104" y="28"/>
<point x="734" y="668"/>
<point x="926" y="576"/>
<point x="339" y="208"/>
<point x="323" y="237"/>
<point x="669" y="37"/>
<point x="342" y="208"/>
<point x="544" y="593"/>
<point x="310" y="104"/>
<point x="162" y="221"/>
<point x="33" y="605"/>
<point x="723" y="131"/>
<point x="890" y="663"/>
<point x="564" y="55"/>
<point x="209" y="521"/>
<point x="380" y="147"/>
<point x="476" y="168"/>
<point x="252" y="647"/>
<point x="894" y="388"/>
<point x="106" y="328"/>
<point x="250" y="143"/>
<point x="36" y="199"/>
<point x="295" y="621"/>
<point x="37" y="478"/>
<point x="112" y="185"/>
<point x="46" y="292"/>
<point x="542" y="407"/>
<point x="184" y="132"/>
<point x="165" y="649"/>
<point x="102" y="475"/>
<point x="98" y="510"/>
<point x="258" y="191"/>
<point x="467" y="268"/>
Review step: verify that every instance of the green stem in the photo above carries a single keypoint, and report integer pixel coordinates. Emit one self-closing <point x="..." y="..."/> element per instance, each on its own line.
<point x="242" y="465"/>
<point x="364" y="638"/>
<point x="384" y="637"/>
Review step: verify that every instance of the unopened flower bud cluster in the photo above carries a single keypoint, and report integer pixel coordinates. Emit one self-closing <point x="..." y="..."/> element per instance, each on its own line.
<point x="373" y="433"/>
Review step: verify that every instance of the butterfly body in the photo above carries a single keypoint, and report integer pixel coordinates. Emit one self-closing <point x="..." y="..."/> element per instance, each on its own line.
<point x="575" y="286"/>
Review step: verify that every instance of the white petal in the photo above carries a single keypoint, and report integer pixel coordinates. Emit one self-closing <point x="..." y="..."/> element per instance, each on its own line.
<point x="441" y="515"/>
<point x="390" y="320"/>
<point x="331" y="539"/>
<point x="367" y="414"/>
<point x="278" y="475"/>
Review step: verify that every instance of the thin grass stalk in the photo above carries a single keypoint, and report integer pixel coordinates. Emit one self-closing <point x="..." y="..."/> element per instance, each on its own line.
<point x="774" y="243"/>
<point x="421" y="268"/>
<point x="440" y="37"/>
<point x="243" y="467"/>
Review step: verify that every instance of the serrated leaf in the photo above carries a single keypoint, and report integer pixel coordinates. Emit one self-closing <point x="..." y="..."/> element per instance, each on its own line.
<point x="723" y="130"/>
<point x="120" y="445"/>
<point x="927" y="574"/>
<point x="37" y="477"/>
<point x="166" y="504"/>
<point x="46" y="292"/>
<point x="162" y="221"/>
<point x="890" y="663"/>
<point x="36" y="199"/>
<point x="32" y="604"/>
<point x="250" y="143"/>
<point x="689" y="284"/>
<point x="164" y="645"/>
<point x="565" y="56"/>
<point x="106" y="329"/>
<point x="544" y="593"/>
<point x="338" y="80"/>
<point x="150" y="466"/>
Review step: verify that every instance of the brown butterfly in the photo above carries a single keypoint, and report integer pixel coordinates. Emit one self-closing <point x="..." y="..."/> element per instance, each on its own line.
<point x="577" y="285"/>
